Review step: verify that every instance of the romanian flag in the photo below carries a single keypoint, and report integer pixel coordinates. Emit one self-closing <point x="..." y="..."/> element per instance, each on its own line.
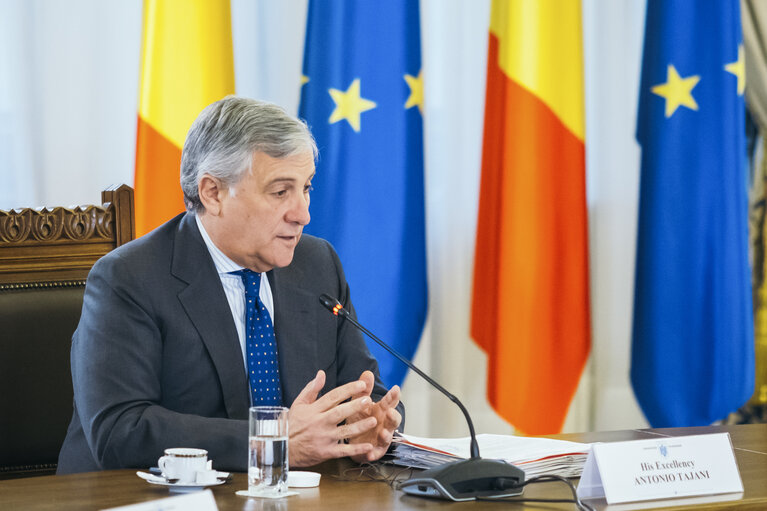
<point x="530" y="310"/>
<point x="693" y="341"/>
<point x="186" y="64"/>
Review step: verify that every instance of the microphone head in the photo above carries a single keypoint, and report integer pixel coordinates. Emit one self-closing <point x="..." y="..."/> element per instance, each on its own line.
<point x="332" y="304"/>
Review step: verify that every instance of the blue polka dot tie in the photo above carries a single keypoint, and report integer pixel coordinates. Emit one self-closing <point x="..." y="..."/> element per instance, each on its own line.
<point x="260" y="344"/>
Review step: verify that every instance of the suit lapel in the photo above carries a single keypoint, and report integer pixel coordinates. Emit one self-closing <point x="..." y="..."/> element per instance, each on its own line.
<point x="296" y="338"/>
<point x="208" y="309"/>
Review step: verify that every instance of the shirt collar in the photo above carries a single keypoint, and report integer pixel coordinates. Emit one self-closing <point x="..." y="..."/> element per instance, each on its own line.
<point x="223" y="264"/>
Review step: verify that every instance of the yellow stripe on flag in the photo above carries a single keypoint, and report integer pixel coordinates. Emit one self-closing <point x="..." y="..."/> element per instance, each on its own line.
<point x="540" y="48"/>
<point x="186" y="64"/>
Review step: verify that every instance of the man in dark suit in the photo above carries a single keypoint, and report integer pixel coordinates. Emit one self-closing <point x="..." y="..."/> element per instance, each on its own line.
<point x="160" y="357"/>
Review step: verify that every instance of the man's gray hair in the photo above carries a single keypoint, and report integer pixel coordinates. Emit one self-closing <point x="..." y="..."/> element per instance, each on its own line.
<point x="224" y="137"/>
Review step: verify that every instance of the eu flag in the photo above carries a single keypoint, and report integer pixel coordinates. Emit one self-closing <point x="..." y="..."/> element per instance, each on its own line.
<point x="362" y="98"/>
<point x="692" y="353"/>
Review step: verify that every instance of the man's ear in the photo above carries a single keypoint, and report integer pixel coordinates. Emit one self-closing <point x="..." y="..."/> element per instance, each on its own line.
<point x="211" y="194"/>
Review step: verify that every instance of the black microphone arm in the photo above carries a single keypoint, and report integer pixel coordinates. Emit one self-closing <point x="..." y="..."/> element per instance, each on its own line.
<point x="458" y="480"/>
<point x="336" y="308"/>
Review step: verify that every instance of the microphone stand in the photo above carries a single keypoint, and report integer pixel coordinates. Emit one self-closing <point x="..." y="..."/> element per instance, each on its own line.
<point x="457" y="480"/>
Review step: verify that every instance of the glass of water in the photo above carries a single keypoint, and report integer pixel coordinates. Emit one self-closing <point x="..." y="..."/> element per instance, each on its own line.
<point x="268" y="451"/>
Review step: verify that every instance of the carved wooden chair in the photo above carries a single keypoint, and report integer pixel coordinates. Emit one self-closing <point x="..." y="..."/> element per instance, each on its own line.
<point x="45" y="257"/>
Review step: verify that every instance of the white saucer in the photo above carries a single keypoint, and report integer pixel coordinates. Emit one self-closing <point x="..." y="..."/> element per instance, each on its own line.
<point x="178" y="487"/>
<point x="185" y="487"/>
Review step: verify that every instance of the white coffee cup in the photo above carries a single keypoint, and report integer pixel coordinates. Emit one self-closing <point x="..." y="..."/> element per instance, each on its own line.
<point x="183" y="463"/>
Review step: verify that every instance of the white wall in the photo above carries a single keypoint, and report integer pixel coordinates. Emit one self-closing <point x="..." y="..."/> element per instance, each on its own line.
<point x="68" y="103"/>
<point x="71" y="72"/>
<point x="613" y="37"/>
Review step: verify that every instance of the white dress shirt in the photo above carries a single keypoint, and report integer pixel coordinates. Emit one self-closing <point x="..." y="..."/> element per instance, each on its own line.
<point x="235" y="289"/>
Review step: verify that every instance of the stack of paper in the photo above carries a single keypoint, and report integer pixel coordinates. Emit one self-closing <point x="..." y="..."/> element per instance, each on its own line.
<point x="536" y="456"/>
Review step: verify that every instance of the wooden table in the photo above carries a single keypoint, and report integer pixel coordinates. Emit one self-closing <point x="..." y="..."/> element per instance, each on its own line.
<point x="99" y="490"/>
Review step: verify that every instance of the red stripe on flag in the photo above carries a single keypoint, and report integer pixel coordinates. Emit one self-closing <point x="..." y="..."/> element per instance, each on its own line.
<point x="157" y="190"/>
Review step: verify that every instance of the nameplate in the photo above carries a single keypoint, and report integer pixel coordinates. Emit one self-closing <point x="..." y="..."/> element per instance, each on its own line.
<point x="197" y="501"/>
<point x="662" y="468"/>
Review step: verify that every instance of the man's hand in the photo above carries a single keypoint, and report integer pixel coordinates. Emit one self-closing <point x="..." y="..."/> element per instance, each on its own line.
<point x="313" y="423"/>
<point x="387" y="419"/>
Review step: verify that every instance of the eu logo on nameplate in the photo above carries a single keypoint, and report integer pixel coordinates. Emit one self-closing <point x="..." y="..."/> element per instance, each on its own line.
<point x="662" y="468"/>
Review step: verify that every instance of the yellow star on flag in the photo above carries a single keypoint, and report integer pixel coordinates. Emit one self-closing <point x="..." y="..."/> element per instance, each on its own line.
<point x="416" y="91"/>
<point x="677" y="91"/>
<point x="349" y="105"/>
<point x="304" y="80"/>
<point x="738" y="68"/>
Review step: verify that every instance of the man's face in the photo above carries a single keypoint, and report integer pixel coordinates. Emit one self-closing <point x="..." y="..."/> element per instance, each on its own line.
<point x="260" y="221"/>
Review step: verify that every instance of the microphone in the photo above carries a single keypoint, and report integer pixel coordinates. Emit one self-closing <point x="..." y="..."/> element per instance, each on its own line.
<point x="457" y="480"/>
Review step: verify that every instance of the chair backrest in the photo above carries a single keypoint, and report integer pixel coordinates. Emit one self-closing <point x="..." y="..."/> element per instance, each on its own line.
<point x="45" y="257"/>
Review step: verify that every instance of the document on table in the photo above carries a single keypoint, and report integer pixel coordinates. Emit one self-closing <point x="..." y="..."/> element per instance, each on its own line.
<point x="536" y="456"/>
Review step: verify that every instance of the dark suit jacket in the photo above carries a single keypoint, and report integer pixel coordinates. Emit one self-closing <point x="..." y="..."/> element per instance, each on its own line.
<point x="156" y="361"/>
